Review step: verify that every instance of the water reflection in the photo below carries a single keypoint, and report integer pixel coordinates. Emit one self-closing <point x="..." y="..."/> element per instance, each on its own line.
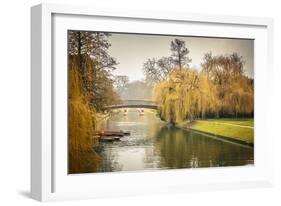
<point x="153" y="145"/>
<point x="183" y="149"/>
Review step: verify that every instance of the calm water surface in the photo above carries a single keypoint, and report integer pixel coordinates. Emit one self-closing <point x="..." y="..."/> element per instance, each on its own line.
<point x="153" y="145"/>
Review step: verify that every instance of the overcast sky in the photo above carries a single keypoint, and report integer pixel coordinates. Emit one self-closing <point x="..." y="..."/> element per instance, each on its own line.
<point x="132" y="50"/>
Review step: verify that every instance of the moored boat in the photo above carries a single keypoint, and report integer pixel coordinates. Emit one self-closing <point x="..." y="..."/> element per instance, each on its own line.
<point x="112" y="133"/>
<point x="106" y="138"/>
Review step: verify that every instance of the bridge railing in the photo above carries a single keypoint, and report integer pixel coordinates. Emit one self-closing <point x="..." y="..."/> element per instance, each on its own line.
<point x="135" y="104"/>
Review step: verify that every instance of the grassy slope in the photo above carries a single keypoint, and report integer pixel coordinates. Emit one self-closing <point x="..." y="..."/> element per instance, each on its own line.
<point x="238" y="121"/>
<point x="236" y="132"/>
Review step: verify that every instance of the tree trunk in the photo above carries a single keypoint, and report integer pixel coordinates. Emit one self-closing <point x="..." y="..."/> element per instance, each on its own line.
<point x="180" y="66"/>
<point x="79" y="50"/>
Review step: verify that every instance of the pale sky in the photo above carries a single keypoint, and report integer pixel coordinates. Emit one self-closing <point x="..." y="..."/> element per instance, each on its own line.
<point x="132" y="50"/>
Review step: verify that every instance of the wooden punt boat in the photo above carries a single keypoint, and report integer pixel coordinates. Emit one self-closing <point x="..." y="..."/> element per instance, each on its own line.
<point x="126" y="133"/>
<point x="112" y="133"/>
<point x="106" y="138"/>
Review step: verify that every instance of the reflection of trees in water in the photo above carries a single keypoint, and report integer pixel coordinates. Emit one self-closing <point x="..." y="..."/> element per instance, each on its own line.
<point x="143" y="131"/>
<point x="150" y="159"/>
<point x="159" y="146"/>
<point x="182" y="149"/>
<point x="109" y="159"/>
<point x="84" y="161"/>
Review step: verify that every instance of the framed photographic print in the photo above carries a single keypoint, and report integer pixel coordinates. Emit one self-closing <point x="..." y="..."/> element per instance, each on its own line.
<point x="138" y="102"/>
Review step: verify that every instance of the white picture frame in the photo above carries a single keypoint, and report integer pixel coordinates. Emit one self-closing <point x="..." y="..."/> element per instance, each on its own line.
<point x="49" y="179"/>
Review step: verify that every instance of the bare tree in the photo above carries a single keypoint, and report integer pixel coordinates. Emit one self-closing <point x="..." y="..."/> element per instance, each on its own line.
<point x="121" y="83"/>
<point x="151" y="71"/>
<point x="165" y="65"/>
<point x="180" y="53"/>
<point x="93" y="44"/>
<point x="157" y="70"/>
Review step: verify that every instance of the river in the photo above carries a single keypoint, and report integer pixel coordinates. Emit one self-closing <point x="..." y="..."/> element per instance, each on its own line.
<point x="154" y="145"/>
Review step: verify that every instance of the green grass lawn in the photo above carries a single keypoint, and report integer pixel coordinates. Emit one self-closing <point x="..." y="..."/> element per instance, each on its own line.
<point x="238" y="121"/>
<point x="216" y="126"/>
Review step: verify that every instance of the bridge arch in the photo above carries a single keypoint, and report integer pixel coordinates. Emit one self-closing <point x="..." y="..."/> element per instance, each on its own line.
<point x="145" y="104"/>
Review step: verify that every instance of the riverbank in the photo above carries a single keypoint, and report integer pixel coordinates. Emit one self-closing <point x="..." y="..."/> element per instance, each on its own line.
<point x="236" y="130"/>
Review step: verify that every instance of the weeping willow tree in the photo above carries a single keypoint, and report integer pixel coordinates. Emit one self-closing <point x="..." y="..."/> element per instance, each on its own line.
<point x="239" y="100"/>
<point x="186" y="94"/>
<point x="235" y="91"/>
<point x="81" y="120"/>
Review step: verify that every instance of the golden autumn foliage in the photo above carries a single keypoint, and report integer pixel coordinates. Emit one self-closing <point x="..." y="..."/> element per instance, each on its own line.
<point x="97" y="84"/>
<point x="188" y="94"/>
<point x="81" y="120"/>
<point x="239" y="97"/>
<point x="235" y="90"/>
<point x="90" y="91"/>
